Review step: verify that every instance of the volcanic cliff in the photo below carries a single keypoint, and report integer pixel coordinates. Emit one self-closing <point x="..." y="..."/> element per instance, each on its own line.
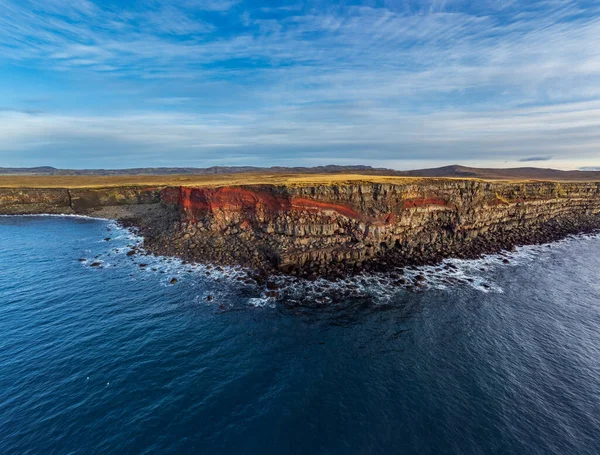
<point x="331" y="229"/>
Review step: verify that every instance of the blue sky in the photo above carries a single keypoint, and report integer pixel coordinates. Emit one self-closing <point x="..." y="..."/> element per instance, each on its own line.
<point x="395" y="83"/>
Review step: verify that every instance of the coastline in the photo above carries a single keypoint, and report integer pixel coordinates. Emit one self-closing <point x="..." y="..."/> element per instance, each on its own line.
<point x="389" y="262"/>
<point x="267" y="290"/>
<point x="316" y="230"/>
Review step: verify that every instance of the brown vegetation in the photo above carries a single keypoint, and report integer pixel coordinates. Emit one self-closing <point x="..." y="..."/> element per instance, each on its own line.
<point x="191" y="180"/>
<point x="97" y="181"/>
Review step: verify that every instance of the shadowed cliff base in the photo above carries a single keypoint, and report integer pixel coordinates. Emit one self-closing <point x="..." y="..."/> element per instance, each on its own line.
<point x="329" y="225"/>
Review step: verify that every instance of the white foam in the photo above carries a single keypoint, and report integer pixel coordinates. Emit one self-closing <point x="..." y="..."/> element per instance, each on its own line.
<point x="477" y="274"/>
<point x="262" y="302"/>
<point x="221" y="282"/>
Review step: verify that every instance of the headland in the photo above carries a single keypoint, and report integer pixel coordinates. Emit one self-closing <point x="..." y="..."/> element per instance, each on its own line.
<point x="318" y="225"/>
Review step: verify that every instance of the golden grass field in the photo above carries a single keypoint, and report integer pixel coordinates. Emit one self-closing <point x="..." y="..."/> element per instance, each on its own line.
<point x="97" y="181"/>
<point x="192" y="180"/>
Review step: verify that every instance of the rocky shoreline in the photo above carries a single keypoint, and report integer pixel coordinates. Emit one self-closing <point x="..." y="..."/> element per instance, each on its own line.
<point x="390" y="261"/>
<point x="332" y="231"/>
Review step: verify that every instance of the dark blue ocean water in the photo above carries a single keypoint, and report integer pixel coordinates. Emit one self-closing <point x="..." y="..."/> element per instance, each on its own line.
<point x="486" y="358"/>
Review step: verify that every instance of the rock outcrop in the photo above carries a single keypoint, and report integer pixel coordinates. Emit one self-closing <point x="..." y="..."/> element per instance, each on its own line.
<point x="22" y="201"/>
<point x="314" y="230"/>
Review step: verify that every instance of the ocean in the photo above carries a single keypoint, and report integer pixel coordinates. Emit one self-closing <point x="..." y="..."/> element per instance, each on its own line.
<point x="100" y="353"/>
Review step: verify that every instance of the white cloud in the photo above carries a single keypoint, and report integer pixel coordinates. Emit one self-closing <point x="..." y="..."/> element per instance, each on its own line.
<point x="338" y="134"/>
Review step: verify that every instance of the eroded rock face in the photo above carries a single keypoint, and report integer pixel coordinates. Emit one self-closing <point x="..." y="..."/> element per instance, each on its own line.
<point x="88" y="200"/>
<point x="34" y="200"/>
<point x="329" y="229"/>
<point x="17" y="201"/>
<point x="323" y="228"/>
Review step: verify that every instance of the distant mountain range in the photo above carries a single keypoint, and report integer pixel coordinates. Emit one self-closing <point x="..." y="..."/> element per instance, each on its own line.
<point x="530" y="173"/>
<point x="47" y="170"/>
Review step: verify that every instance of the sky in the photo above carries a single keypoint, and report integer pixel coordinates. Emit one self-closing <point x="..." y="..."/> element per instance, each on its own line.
<point x="389" y="83"/>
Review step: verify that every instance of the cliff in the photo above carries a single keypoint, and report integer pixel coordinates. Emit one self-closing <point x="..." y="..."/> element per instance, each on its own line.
<point x="19" y="201"/>
<point x="312" y="229"/>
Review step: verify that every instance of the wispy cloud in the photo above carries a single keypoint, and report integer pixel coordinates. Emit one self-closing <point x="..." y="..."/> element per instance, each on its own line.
<point x="535" y="158"/>
<point x="437" y="81"/>
<point x="274" y="135"/>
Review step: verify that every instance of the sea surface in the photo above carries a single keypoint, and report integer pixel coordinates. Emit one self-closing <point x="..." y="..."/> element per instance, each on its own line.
<point x="99" y="353"/>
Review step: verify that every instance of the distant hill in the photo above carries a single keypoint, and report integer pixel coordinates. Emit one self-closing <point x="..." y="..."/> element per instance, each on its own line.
<point x="331" y="169"/>
<point x="456" y="171"/>
<point x="518" y="173"/>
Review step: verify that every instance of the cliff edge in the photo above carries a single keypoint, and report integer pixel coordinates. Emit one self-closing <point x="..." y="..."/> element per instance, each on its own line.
<point x="330" y="228"/>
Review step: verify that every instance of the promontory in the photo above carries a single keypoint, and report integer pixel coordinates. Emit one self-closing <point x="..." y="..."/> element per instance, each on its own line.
<point x="317" y="224"/>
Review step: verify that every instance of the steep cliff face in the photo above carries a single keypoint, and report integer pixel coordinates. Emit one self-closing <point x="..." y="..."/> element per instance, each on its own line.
<point x="34" y="200"/>
<point x="324" y="229"/>
<point x="17" y="201"/>
<point x="309" y="228"/>
<point x="85" y="200"/>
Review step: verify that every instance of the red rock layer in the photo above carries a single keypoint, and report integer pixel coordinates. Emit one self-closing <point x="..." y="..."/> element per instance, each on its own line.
<point x="196" y="203"/>
<point x="423" y="202"/>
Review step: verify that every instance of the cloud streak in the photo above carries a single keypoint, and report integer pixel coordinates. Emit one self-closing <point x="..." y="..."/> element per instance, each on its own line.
<point x="530" y="159"/>
<point x="273" y="136"/>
